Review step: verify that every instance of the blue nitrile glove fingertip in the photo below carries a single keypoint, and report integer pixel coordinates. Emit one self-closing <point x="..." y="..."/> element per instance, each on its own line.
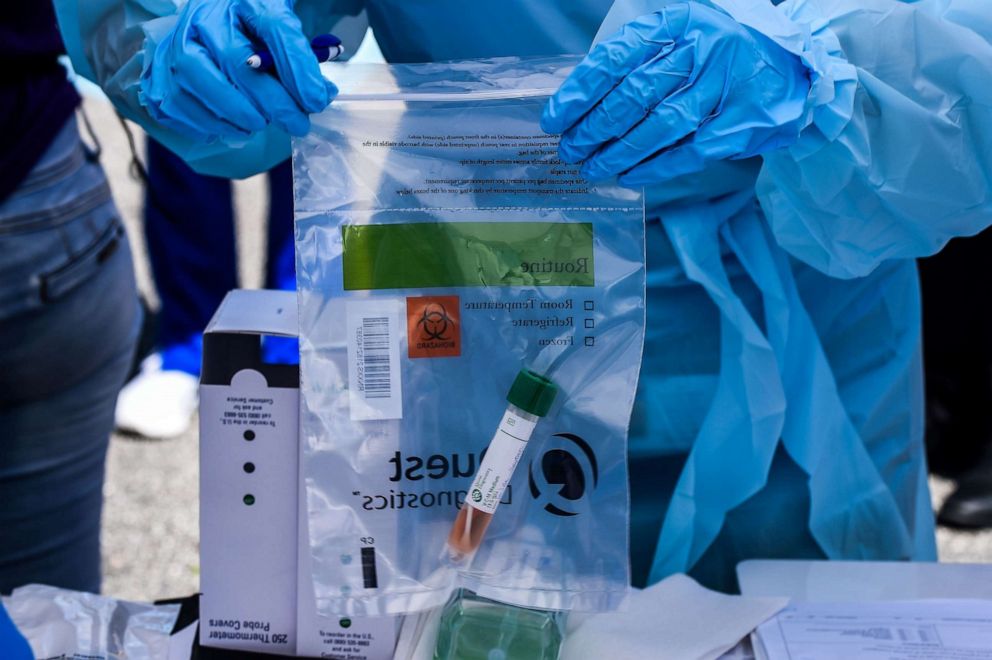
<point x="314" y="100"/>
<point x="297" y="125"/>
<point x="316" y="92"/>
<point x="642" y="176"/>
<point x="319" y="101"/>
<point x="592" y="171"/>
<point x="626" y="181"/>
<point x="567" y="154"/>
<point x="12" y="641"/>
<point x="549" y="120"/>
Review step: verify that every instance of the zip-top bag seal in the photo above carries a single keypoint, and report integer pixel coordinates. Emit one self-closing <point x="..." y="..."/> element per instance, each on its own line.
<point x="457" y="279"/>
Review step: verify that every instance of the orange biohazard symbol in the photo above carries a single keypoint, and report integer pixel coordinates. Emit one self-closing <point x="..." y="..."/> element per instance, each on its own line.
<point x="432" y="327"/>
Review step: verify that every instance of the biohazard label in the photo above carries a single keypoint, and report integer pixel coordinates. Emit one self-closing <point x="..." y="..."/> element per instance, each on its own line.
<point x="433" y="327"/>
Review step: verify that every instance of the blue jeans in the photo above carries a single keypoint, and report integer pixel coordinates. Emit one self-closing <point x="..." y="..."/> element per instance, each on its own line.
<point x="69" y="321"/>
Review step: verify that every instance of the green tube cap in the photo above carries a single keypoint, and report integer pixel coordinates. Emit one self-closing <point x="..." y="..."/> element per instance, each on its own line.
<point x="532" y="392"/>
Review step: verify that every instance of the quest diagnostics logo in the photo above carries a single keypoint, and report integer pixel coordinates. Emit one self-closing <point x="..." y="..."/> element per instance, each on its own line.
<point x="563" y="474"/>
<point x="433" y="328"/>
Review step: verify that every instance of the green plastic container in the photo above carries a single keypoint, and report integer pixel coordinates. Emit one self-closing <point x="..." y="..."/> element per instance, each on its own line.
<point x="476" y="628"/>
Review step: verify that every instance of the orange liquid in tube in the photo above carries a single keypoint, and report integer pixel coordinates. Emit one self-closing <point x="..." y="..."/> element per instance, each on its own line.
<point x="466" y="535"/>
<point x="530" y="398"/>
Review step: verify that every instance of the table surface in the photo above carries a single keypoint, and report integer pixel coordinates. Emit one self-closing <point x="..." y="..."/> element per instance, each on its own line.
<point x="863" y="580"/>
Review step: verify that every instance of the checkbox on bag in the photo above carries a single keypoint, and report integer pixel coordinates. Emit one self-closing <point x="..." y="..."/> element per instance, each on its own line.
<point x="588" y="305"/>
<point x="590" y="323"/>
<point x="590" y="341"/>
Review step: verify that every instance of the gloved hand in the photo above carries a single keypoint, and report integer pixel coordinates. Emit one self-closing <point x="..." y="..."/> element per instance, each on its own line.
<point x="674" y="90"/>
<point x="12" y="642"/>
<point x="198" y="81"/>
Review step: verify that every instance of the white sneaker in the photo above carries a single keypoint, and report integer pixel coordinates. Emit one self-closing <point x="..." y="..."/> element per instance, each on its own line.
<point x="156" y="403"/>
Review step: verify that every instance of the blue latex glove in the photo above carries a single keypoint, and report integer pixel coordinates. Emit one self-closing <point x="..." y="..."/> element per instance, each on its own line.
<point x="673" y="90"/>
<point x="13" y="646"/>
<point x="198" y="82"/>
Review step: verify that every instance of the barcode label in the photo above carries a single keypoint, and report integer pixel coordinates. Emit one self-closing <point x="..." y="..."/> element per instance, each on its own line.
<point x="375" y="376"/>
<point x="374" y="359"/>
<point x="369" y="578"/>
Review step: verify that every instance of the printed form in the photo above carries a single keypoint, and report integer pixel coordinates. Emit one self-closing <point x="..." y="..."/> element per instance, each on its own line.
<point x="889" y="630"/>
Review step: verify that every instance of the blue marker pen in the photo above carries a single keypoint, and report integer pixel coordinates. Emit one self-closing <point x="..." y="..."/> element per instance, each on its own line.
<point x="325" y="47"/>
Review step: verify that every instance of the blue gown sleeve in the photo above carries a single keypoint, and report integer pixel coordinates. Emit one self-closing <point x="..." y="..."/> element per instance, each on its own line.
<point x="896" y="157"/>
<point x="109" y="42"/>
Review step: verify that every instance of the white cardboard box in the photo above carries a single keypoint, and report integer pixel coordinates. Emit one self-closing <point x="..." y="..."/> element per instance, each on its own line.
<point x="257" y="592"/>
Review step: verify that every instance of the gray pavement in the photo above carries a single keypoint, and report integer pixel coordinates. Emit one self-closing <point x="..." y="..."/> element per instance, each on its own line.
<point x="150" y="526"/>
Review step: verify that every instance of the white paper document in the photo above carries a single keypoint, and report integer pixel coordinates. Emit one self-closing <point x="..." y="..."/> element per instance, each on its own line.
<point x="675" y="619"/>
<point x="883" y="630"/>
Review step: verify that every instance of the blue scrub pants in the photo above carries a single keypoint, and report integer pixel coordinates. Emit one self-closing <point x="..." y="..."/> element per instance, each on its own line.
<point x="190" y="231"/>
<point x="69" y="322"/>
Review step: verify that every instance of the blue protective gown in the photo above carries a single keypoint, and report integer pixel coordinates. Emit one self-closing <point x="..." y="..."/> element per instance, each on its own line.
<point x="779" y="412"/>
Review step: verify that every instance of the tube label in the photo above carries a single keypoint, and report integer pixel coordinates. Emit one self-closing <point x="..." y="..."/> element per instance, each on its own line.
<point x="502" y="456"/>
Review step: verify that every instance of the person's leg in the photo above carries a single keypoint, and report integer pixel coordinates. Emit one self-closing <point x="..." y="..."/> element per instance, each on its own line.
<point x="957" y="341"/>
<point x="956" y="353"/>
<point x="69" y="320"/>
<point x="280" y="265"/>
<point x="189" y="230"/>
